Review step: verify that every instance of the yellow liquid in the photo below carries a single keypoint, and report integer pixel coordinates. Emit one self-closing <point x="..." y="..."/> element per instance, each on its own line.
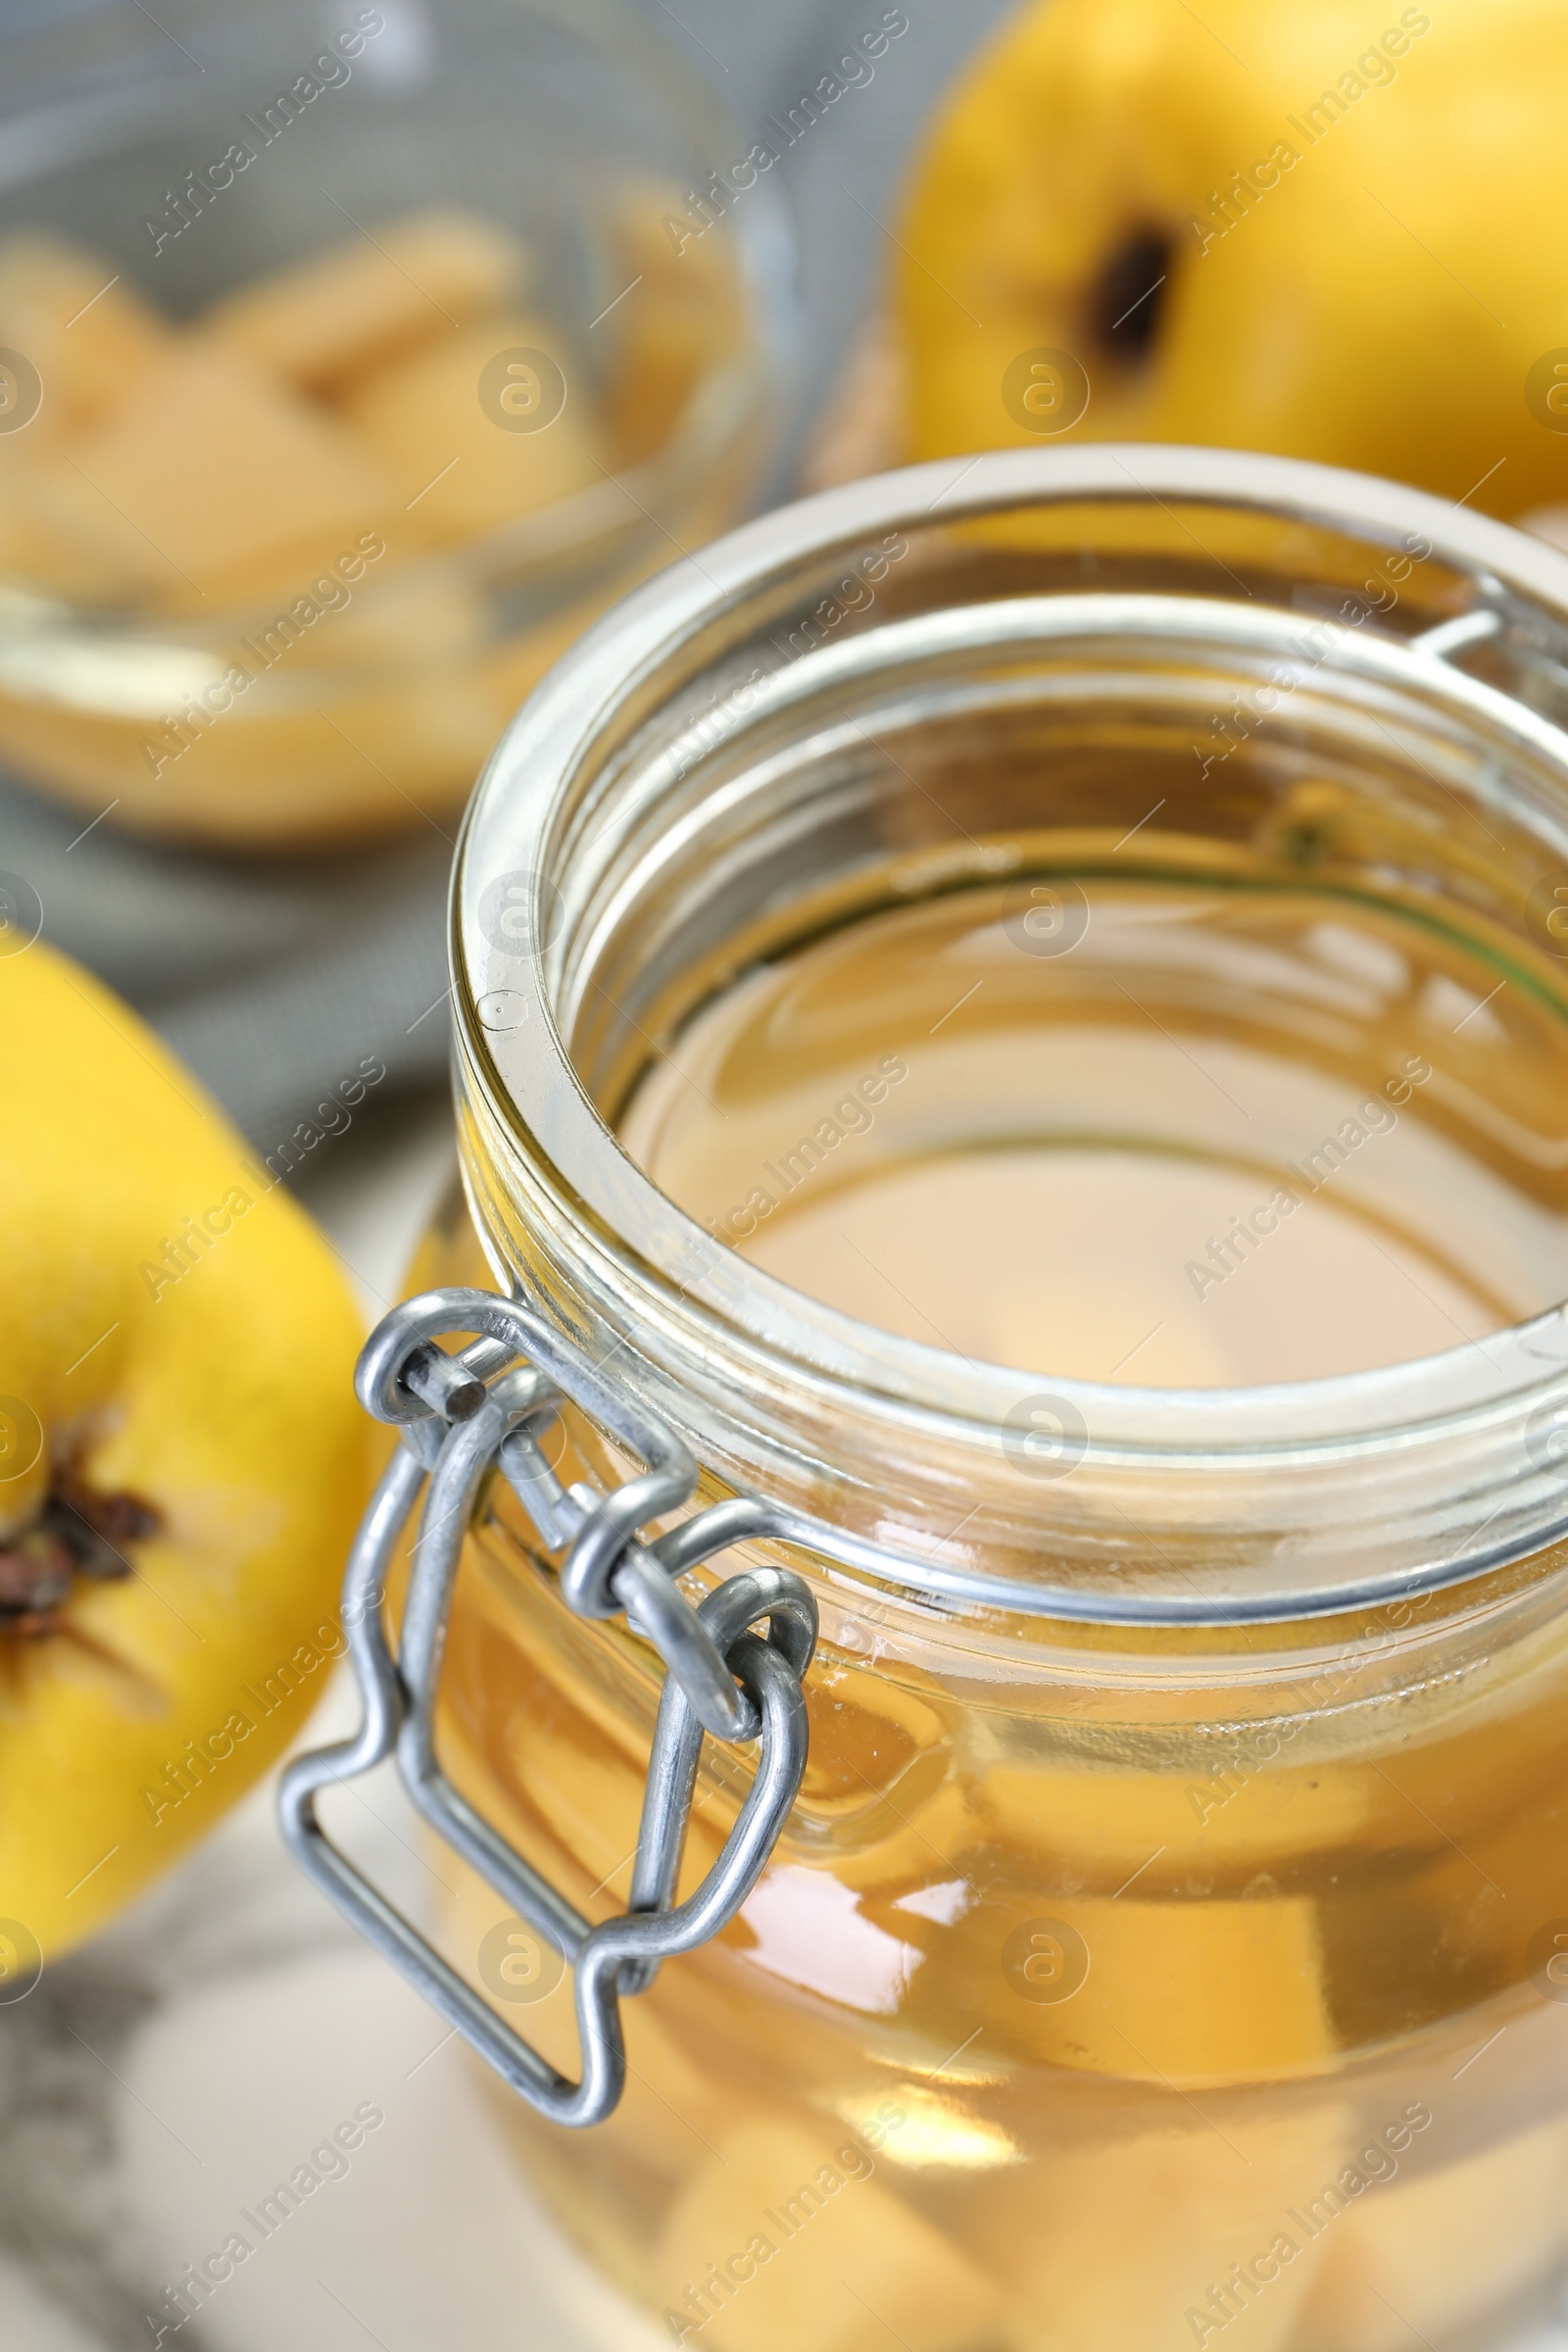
<point x="1228" y="1138"/>
<point x="1102" y="1996"/>
<point x="1304" y="2015"/>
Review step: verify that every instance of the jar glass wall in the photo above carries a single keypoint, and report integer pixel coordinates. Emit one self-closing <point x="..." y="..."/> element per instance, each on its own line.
<point x="1163" y="1945"/>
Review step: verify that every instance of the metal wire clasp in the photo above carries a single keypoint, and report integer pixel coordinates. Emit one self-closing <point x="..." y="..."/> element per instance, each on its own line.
<point x="459" y="1414"/>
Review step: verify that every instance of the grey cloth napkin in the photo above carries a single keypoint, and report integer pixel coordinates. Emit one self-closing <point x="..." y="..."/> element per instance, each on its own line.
<point x="275" y="979"/>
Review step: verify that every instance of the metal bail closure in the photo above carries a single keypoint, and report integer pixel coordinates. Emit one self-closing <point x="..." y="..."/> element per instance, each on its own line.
<point x="460" y="1416"/>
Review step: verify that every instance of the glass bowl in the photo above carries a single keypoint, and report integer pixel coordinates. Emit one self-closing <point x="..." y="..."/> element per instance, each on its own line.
<point x="329" y="690"/>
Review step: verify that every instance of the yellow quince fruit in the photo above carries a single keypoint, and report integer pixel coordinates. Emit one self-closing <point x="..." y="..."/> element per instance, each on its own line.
<point x="181" y="1460"/>
<point x="1315" y="230"/>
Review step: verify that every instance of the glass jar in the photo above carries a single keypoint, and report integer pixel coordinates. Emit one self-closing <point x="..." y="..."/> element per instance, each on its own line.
<point x="1169" y="1942"/>
<point x="353" y="677"/>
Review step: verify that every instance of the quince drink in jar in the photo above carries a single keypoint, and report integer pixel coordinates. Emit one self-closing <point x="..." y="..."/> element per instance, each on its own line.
<point x="1024" y="1013"/>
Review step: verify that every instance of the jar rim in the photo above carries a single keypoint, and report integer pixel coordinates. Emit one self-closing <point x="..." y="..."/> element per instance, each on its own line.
<point x="660" y="1263"/>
